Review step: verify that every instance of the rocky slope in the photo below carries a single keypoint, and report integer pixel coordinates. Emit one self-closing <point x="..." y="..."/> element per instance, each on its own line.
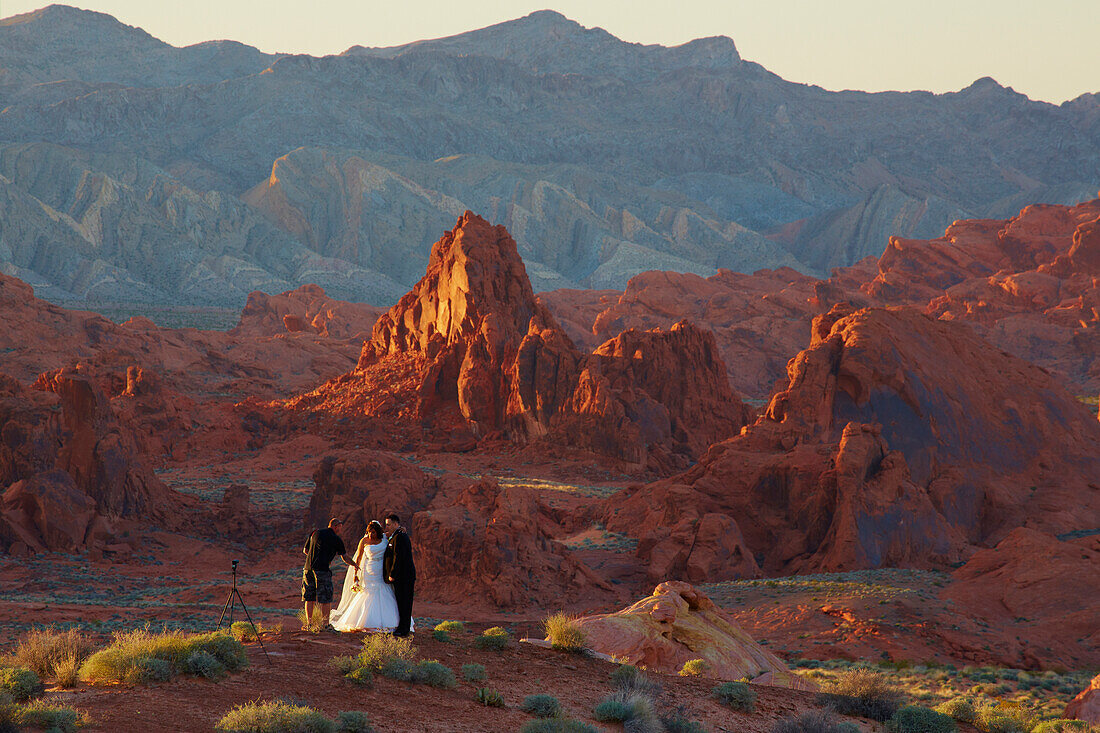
<point x="473" y="350"/>
<point x="899" y="440"/>
<point x="604" y="158"/>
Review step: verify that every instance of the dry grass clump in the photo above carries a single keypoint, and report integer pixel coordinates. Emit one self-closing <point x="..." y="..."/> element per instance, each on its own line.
<point x="863" y="693"/>
<point x="694" y="668"/>
<point x="380" y="649"/>
<point x="46" y="716"/>
<point x="541" y="706"/>
<point x="818" y="721"/>
<point x="556" y="725"/>
<point x="144" y="656"/>
<point x="1065" y="726"/>
<point x="246" y="631"/>
<point x="451" y="627"/>
<point x="1004" y="719"/>
<point x="959" y="708"/>
<point x="315" y="624"/>
<point x="634" y="710"/>
<point x="53" y="654"/>
<point x="494" y="638"/>
<point x="564" y="633"/>
<point x="473" y="672"/>
<point x="629" y="678"/>
<point x="274" y="717"/>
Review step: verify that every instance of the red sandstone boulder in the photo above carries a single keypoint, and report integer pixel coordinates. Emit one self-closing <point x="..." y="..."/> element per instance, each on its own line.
<point x="48" y="512"/>
<point x="679" y="623"/>
<point x="305" y="310"/>
<point x="1086" y="706"/>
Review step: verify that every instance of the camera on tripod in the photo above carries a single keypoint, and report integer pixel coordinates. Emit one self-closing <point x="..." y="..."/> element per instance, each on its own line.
<point x="231" y="604"/>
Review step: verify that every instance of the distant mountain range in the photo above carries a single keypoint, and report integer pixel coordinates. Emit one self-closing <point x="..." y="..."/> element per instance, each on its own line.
<point x="131" y="170"/>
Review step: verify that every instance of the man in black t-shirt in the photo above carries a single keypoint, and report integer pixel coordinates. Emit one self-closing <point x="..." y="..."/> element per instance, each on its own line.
<point x="320" y="548"/>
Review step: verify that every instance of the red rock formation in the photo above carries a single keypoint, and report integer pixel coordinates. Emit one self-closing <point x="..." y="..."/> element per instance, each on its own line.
<point x="900" y="440"/>
<point x="678" y="623"/>
<point x="1086" y="706"/>
<point x="470" y="349"/>
<point x="476" y="544"/>
<point x="66" y="464"/>
<point x="306" y="309"/>
<point x="1024" y="578"/>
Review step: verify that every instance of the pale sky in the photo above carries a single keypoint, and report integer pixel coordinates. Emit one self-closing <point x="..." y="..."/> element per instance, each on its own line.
<point x="1046" y="50"/>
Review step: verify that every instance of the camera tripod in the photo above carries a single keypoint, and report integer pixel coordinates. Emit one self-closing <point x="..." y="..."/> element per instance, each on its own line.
<point x="230" y="604"/>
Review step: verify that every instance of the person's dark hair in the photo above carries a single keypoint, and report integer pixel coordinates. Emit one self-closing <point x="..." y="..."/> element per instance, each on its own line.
<point x="396" y="519"/>
<point x="374" y="530"/>
<point x="334" y="521"/>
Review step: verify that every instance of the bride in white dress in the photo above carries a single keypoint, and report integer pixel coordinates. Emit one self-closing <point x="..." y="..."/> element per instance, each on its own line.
<point x="373" y="607"/>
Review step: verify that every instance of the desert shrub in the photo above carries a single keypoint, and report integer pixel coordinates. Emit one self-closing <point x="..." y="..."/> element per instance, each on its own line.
<point x="541" y="706"/>
<point x="441" y="635"/>
<point x="43" y="650"/>
<point x="244" y="631"/>
<point x="41" y="714"/>
<point x="353" y="722"/>
<point x="274" y="717"/>
<point x="1004" y="719"/>
<point x="473" y="672"/>
<point x="564" y="632"/>
<point x="20" y="683"/>
<point x="694" y="668"/>
<point x="1064" y="726"/>
<point x="489" y="698"/>
<point x="737" y="695"/>
<point x="148" y="669"/>
<point x="140" y="655"/>
<point x="629" y="708"/>
<point x="556" y="725"/>
<point x="863" y="693"/>
<point x="451" y="627"/>
<point x="959" y="708"/>
<point x="378" y="649"/>
<point x="818" y="721"/>
<point x="205" y="664"/>
<point x="398" y="669"/>
<point x="67" y="671"/>
<point x="435" y="674"/>
<point x="9" y="715"/>
<point x="316" y="623"/>
<point x="629" y="678"/>
<point x="494" y="638"/>
<point x="918" y="719"/>
<point x="676" y="721"/>
<point x="360" y="676"/>
<point x="343" y="665"/>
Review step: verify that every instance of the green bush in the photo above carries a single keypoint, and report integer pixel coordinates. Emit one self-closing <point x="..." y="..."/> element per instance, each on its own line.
<point x="204" y="664"/>
<point x="41" y="714"/>
<point x="489" y="698"/>
<point x="1004" y="719"/>
<point x="441" y="635"/>
<point x="43" y="651"/>
<point x="918" y="719"/>
<point x="451" y="627"/>
<point x="494" y="638"/>
<point x="244" y="631"/>
<point x="564" y="633"/>
<point x="959" y="708"/>
<point x="274" y="717"/>
<point x="556" y="725"/>
<point x="818" y="721"/>
<point x="473" y="672"/>
<point x="148" y="669"/>
<point x="541" y="706"/>
<point x="20" y="683"/>
<point x="378" y="649"/>
<point x="128" y="657"/>
<point x="353" y="722"/>
<point x="435" y="674"/>
<point x="399" y="669"/>
<point x="1064" y="726"/>
<point x="694" y="668"/>
<point x="360" y="676"/>
<point x="863" y="693"/>
<point x="737" y="695"/>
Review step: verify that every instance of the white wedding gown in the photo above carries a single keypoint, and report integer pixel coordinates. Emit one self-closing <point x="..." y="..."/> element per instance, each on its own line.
<point x="374" y="608"/>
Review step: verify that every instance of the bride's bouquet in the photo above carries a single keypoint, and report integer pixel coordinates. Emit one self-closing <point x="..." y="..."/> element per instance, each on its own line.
<point x="355" y="587"/>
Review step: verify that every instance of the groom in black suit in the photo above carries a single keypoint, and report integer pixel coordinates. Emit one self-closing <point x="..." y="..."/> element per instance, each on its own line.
<point x="399" y="571"/>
